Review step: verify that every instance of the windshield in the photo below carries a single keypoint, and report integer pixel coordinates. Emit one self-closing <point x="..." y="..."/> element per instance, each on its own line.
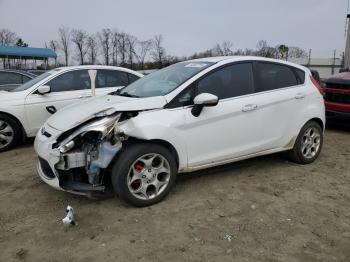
<point x="32" y="82"/>
<point x="164" y="81"/>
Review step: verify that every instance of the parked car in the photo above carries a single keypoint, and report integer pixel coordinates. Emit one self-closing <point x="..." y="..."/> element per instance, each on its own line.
<point x="10" y="79"/>
<point x="316" y="75"/>
<point x="337" y="96"/>
<point x="189" y="116"/>
<point x="24" y="109"/>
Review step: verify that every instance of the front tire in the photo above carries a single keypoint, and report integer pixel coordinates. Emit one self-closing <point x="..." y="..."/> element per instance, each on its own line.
<point x="308" y="145"/>
<point x="144" y="174"/>
<point x="10" y="133"/>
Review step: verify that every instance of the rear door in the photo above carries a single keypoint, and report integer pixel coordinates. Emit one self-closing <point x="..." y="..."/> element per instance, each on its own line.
<point x="66" y="88"/>
<point x="231" y="128"/>
<point x="110" y="80"/>
<point x="280" y="94"/>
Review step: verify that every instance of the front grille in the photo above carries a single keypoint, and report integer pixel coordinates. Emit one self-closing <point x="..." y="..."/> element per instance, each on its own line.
<point x="337" y="98"/>
<point x="338" y="86"/>
<point x="45" y="167"/>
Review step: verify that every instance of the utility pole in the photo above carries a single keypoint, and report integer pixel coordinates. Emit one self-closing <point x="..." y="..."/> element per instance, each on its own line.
<point x="333" y="65"/>
<point x="347" y="47"/>
<point x="309" y="59"/>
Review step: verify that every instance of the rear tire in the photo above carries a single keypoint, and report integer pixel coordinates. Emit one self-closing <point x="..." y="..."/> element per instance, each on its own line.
<point x="144" y="174"/>
<point x="308" y="145"/>
<point x="10" y="133"/>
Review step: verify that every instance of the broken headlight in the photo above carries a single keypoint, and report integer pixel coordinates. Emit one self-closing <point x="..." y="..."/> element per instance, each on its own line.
<point x="104" y="126"/>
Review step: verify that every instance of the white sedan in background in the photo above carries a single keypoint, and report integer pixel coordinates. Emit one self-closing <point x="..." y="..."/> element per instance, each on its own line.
<point x="25" y="109"/>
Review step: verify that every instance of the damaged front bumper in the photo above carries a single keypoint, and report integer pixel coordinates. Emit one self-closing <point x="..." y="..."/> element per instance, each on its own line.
<point x="78" y="163"/>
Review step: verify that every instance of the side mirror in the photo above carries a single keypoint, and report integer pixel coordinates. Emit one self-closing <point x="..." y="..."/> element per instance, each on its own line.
<point x="202" y="100"/>
<point x="45" y="89"/>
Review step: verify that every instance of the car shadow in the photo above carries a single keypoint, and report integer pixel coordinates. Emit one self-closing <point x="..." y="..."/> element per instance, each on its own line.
<point x="235" y="167"/>
<point x="338" y="125"/>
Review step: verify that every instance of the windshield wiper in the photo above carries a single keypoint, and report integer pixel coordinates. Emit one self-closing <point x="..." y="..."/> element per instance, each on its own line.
<point x="126" y="94"/>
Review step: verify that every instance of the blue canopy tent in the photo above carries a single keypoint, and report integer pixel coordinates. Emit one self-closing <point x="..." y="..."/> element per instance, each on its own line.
<point x="25" y="53"/>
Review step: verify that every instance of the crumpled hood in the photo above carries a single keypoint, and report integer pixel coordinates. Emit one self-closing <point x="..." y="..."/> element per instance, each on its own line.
<point x="78" y="113"/>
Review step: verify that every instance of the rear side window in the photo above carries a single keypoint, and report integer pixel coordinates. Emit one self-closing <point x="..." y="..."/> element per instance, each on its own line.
<point x="111" y="78"/>
<point x="230" y="81"/>
<point x="70" y="81"/>
<point x="7" y="78"/>
<point x="274" y="76"/>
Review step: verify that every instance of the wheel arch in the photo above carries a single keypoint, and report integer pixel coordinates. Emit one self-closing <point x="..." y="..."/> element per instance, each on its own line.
<point x="23" y="132"/>
<point x="162" y="142"/>
<point x="318" y="121"/>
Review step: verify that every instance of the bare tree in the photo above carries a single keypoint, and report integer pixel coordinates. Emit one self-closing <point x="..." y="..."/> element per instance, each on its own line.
<point x="158" y="53"/>
<point x="79" y="38"/>
<point x="92" y="48"/>
<point x="115" y="49"/>
<point x="123" y="47"/>
<point x="131" y="43"/>
<point x="141" y="51"/>
<point x="296" y="52"/>
<point x="226" y="47"/>
<point x="264" y="50"/>
<point x="53" y="45"/>
<point x="64" y="39"/>
<point x="217" y="50"/>
<point x="7" y="37"/>
<point x="105" y="41"/>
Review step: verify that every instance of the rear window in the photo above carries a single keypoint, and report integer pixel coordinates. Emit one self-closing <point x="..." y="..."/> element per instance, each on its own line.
<point x="275" y="76"/>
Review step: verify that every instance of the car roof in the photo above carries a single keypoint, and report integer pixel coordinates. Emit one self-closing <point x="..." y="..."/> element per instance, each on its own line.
<point x="18" y="72"/>
<point x="67" y="68"/>
<point x="230" y="59"/>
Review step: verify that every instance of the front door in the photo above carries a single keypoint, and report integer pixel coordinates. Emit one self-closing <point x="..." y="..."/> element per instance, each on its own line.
<point x="230" y="129"/>
<point x="66" y="89"/>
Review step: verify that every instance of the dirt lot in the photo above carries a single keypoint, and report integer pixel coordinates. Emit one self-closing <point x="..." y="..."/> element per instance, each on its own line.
<point x="264" y="209"/>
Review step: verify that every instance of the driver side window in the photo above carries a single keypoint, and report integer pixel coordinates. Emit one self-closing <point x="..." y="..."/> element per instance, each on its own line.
<point x="230" y="81"/>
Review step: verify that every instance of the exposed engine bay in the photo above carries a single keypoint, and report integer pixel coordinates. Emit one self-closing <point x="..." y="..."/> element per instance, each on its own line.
<point x="87" y="151"/>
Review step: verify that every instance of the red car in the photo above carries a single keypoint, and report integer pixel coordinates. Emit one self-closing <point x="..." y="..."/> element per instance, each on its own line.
<point x="337" y="96"/>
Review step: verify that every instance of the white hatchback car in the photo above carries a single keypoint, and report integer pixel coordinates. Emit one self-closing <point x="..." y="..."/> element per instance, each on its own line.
<point x="188" y="116"/>
<point x="24" y="109"/>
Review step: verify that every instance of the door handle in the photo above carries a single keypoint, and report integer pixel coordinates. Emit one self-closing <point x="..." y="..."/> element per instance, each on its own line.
<point x="299" y="95"/>
<point x="249" y="107"/>
<point x="51" y="109"/>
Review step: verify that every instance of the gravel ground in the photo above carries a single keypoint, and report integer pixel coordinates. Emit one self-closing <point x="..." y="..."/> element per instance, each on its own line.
<point x="263" y="209"/>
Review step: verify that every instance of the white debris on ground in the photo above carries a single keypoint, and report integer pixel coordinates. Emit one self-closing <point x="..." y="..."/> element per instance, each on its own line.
<point x="228" y="237"/>
<point x="69" y="218"/>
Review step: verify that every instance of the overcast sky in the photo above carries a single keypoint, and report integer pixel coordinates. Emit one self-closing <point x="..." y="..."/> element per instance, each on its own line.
<point x="188" y="26"/>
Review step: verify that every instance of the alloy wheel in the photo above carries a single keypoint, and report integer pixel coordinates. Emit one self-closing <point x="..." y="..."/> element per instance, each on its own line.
<point x="311" y="141"/>
<point x="148" y="176"/>
<point x="6" y="134"/>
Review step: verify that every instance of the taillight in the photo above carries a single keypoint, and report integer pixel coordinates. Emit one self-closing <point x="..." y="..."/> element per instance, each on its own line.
<point x="317" y="85"/>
